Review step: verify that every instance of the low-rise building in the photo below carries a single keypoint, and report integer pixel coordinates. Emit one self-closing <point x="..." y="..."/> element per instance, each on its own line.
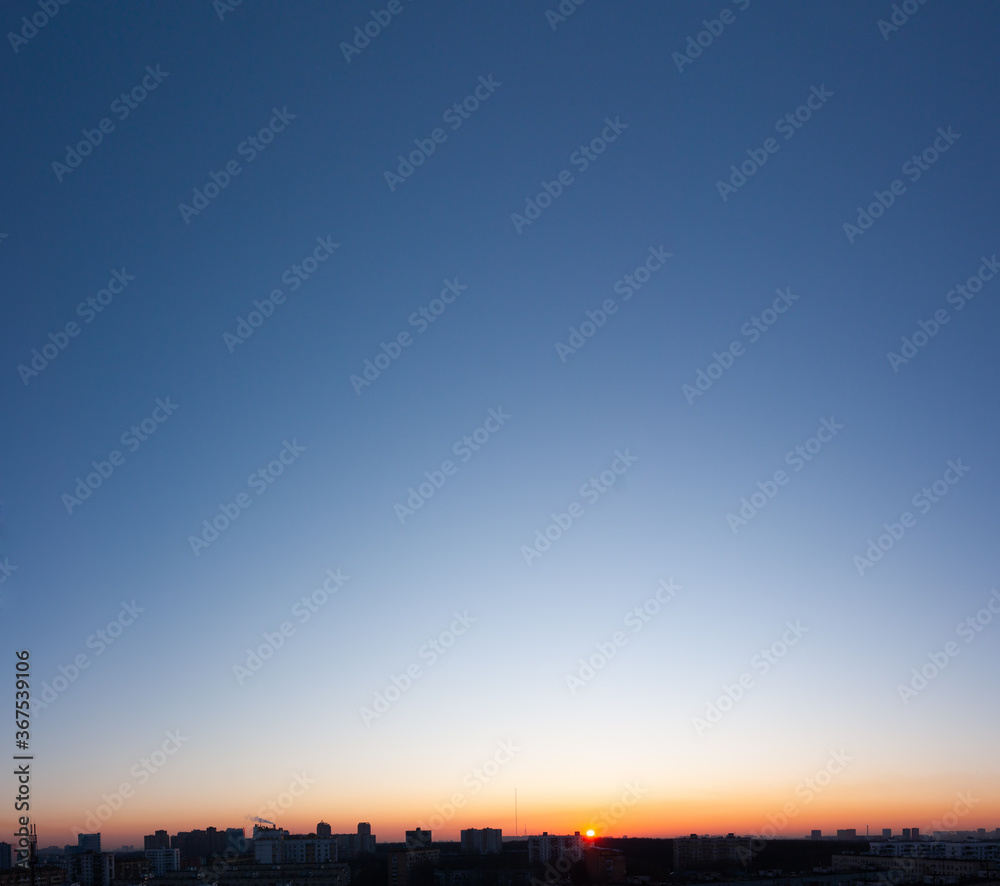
<point x="971" y="850"/>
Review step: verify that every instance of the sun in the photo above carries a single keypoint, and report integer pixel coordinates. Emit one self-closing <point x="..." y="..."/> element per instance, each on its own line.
<point x="590" y="833"/>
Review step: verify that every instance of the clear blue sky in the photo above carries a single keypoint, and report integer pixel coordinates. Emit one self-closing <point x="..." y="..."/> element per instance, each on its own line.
<point x="308" y="210"/>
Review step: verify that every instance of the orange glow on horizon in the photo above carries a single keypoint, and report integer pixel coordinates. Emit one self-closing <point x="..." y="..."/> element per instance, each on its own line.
<point x="737" y="809"/>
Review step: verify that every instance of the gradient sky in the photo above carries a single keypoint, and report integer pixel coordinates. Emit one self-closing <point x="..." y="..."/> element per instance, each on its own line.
<point x="632" y="726"/>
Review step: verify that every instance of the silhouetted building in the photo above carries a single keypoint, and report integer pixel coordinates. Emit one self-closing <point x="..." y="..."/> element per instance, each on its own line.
<point x="45" y="875"/>
<point x="159" y="840"/>
<point x="847" y="833"/>
<point x="88" y="842"/>
<point x="324" y="830"/>
<point x="91" y="868"/>
<point x="817" y="835"/>
<point x="201" y="845"/>
<point x="482" y="841"/>
<point x="886" y="833"/>
<point x="605" y="865"/>
<point x="361" y="843"/>
<point x="693" y="852"/>
<point x="402" y="862"/>
<point x="5" y="856"/>
<point x="131" y="868"/>
<point x="245" y="873"/>
<point x="418" y="839"/>
<point x="911" y="868"/>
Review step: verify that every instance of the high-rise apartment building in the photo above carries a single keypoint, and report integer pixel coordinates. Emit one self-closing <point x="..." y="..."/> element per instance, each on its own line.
<point x="163" y="860"/>
<point x="418" y="839"/>
<point x="90" y="868"/>
<point x="159" y="840"/>
<point x="546" y="847"/>
<point x="353" y="845"/>
<point x="88" y="842"/>
<point x="482" y="841"/>
<point x="274" y="845"/>
<point x="692" y="852"/>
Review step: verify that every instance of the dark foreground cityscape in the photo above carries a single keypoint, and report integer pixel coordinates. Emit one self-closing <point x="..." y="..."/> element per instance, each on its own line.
<point x="271" y="856"/>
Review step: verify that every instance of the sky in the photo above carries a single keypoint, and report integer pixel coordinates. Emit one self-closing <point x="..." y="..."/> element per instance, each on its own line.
<point x="577" y="403"/>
